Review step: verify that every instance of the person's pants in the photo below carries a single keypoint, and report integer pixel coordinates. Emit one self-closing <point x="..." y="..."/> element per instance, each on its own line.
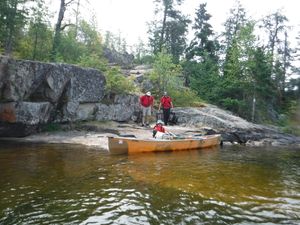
<point x="166" y="113"/>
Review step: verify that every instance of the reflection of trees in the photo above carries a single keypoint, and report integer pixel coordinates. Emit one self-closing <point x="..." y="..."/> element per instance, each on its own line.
<point x="207" y="173"/>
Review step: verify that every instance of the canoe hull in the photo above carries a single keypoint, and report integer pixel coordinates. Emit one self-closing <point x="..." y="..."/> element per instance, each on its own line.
<point x="120" y="145"/>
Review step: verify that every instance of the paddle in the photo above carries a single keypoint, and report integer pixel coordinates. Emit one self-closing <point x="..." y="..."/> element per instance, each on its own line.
<point x="172" y="134"/>
<point x="127" y="135"/>
<point x="175" y="136"/>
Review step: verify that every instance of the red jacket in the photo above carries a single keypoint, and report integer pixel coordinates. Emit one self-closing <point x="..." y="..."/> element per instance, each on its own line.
<point x="166" y="102"/>
<point x="160" y="128"/>
<point x="146" y="100"/>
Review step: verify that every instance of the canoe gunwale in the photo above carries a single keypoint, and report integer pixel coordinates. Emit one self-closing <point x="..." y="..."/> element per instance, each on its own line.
<point x="121" y="145"/>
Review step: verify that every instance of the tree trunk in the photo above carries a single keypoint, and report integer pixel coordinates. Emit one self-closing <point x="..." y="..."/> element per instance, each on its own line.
<point x="35" y="44"/>
<point x="161" y="41"/>
<point x="10" y="30"/>
<point x="56" y="39"/>
<point x="77" y="18"/>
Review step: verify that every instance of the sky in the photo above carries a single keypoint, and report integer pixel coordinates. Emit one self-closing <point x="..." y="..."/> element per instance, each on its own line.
<point x="130" y="17"/>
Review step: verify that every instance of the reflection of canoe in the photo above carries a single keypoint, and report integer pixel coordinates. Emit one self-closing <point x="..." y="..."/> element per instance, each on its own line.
<point x="119" y="145"/>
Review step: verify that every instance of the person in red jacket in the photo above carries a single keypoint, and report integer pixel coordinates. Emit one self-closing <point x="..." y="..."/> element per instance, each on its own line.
<point x="166" y="104"/>
<point x="146" y="103"/>
<point x="158" y="129"/>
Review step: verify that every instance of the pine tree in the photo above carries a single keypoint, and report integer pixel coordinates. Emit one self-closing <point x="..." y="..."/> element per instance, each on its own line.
<point x="13" y="15"/>
<point x="169" y="33"/>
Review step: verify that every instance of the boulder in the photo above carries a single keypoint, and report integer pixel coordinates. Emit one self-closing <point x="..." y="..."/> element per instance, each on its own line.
<point x="233" y="128"/>
<point x="86" y="112"/>
<point x="122" y="109"/>
<point x="116" y="58"/>
<point x="18" y="119"/>
<point x="33" y="93"/>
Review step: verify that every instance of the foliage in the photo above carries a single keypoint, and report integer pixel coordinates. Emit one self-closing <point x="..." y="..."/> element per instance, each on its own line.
<point x="36" y="40"/>
<point x="167" y="76"/>
<point x="233" y="24"/>
<point x="203" y="79"/>
<point x="185" y="97"/>
<point x="93" y="61"/>
<point x="51" y="127"/>
<point x="201" y="65"/>
<point x="237" y="86"/>
<point x="169" y="32"/>
<point x="116" y="83"/>
<point x="115" y="42"/>
<point x="237" y="70"/>
<point x="142" y="56"/>
<point x="291" y="122"/>
<point x="203" y="43"/>
<point x="13" y="16"/>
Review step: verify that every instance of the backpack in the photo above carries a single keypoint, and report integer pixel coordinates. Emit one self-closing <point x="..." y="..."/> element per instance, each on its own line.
<point x="173" y="119"/>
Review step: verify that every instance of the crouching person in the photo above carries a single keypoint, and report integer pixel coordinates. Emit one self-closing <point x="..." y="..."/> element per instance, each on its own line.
<point x="160" y="132"/>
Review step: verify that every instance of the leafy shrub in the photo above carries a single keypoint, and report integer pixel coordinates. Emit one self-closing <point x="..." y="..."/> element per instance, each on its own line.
<point x="51" y="127"/>
<point x="117" y="83"/>
<point x="93" y="61"/>
<point x="290" y="122"/>
<point x="185" y="97"/>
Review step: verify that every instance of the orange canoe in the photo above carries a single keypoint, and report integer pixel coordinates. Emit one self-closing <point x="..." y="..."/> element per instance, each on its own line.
<point x="121" y="145"/>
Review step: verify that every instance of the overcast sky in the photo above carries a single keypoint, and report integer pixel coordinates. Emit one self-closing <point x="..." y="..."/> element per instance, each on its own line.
<point x="130" y="17"/>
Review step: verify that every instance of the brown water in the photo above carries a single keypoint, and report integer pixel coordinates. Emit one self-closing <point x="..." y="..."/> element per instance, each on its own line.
<point x="65" y="184"/>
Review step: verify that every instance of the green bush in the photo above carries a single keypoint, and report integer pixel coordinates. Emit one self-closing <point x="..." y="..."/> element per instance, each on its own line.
<point x="117" y="83"/>
<point x="290" y="123"/>
<point x="185" y="97"/>
<point x="51" y="127"/>
<point x="93" y="61"/>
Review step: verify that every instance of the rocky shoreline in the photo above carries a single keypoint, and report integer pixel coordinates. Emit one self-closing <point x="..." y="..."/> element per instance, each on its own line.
<point x="94" y="134"/>
<point x="35" y="94"/>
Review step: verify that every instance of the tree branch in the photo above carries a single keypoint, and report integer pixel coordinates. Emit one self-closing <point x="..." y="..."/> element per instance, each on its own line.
<point x="69" y="2"/>
<point x="66" y="25"/>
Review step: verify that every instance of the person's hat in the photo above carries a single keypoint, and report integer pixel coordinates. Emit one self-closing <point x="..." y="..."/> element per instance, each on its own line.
<point x="148" y="93"/>
<point x="159" y="121"/>
<point x="165" y="93"/>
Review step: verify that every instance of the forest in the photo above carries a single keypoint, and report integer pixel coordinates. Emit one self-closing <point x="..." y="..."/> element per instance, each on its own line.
<point x="248" y="68"/>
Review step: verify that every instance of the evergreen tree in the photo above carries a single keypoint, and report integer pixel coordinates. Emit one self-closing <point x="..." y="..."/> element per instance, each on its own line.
<point x="13" y="15"/>
<point x="236" y="83"/>
<point x="201" y="65"/>
<point x="203" y="43"/>
<point x="280" y="52"/>
<point x="169" y="33"/>
<point x="36" y="42"/>
<point x="274" y="25"/>
<point x="262" y="92"/>
<point x="236" y="20"/>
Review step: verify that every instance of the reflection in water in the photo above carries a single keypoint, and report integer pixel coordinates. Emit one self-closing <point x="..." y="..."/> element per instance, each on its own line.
<point x="199" y="172"/>
<point x="59" y="184"/>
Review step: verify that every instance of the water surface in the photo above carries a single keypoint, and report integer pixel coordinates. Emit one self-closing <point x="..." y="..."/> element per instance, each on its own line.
<point x="69" y="184"/>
